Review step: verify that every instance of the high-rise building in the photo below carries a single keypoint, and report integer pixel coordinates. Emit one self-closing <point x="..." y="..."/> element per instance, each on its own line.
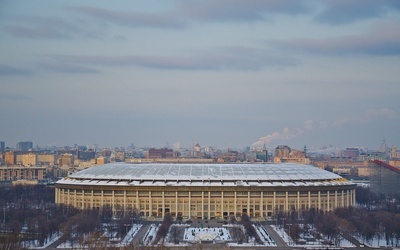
<point x="2" y="147"/>
<point x="262" y="155"/>
<point x="24" y="146"/>
<point x="86" y="155"/>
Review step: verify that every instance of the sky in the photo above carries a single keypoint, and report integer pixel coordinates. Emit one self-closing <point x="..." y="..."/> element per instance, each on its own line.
<point x="226" y="73"/>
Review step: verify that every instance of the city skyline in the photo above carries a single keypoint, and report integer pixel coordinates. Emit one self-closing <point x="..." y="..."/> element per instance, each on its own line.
<point x="225" y="73"/>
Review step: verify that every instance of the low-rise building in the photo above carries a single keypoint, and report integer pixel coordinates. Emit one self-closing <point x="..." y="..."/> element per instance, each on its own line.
<point x="13" y="173"/>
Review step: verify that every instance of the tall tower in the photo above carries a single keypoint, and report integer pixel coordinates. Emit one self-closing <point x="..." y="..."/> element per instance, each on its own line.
<point x="384" y="146"/>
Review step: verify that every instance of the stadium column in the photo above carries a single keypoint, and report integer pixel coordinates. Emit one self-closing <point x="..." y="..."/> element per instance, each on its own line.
<point x="102" y="199"/>
<point x="287" y="202"/>
<point x="74" y="197"/>
<point x="319" y="200"/>
<point x="309" y="200"/>
<point x="347" y="198"/>
<point x="327" y="201"/>
<point x="124" y="203"/>
<point x="202" y="205"/>
<point x="262" y="204"/>
<point x="91" y="199"/>
<point x="176" y="203"/>
<point x="274" y="202"/>
<point x="298" y="206"/>
<point x="335" y="198"/>
<point x="354" y="197"/>
<point x="190" y="205"/>
<point x="83" y="199"/>
<point x="163" y="204"/>
<point x="137" y="201"/>
<point x="222" y="204"/>
<point x="248" y="205"/>
<point x="209" y="205"/>
<point x="150" y="205"/>
<point x="113" y="202"/>
<point x="342" y="205"/>
<point x="235" y="206"/>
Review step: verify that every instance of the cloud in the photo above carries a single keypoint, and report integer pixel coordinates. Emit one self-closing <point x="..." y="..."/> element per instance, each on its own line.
<point x="384" y="113"/>
<point x="309" y="125"/>
<point x="238" y="10"/>
<point x="6" y="70"/>
<point x="37" y="31"/>
<point x="368" y="116"/>
<point x="69" y="68"/>
<point x="51" y="28"/>
<point x="288" y="134"/>
<point x="381" y="39"/>
<point x="131" y="18"/>
<point x="285" y="135"/>
<point x="337" y="12"/>
<point x="234" y="58"/>
<point x="185" y="11"/>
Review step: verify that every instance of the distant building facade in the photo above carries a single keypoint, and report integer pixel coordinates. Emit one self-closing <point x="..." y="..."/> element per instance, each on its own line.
<point x="46" y="159"/>
<point x="352" y="153"/>
<point x="86" y="155"/>
<point x="384" y="178"/>
<point x="24" y="146"/>
<point x="9" y="158"/>
<point x="15" y="173"/>
<point x="284" y="153"/>
<point x="154" y="153"/>
<point x="29" y="159"/>
<point x="65" y="159"/>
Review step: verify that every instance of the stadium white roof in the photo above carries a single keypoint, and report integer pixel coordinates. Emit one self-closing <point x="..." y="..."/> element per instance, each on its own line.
<point x="155" y="174"/>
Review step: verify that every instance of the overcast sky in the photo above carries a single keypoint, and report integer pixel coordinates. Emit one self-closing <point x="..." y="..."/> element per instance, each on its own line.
<point x="226" y="73"/>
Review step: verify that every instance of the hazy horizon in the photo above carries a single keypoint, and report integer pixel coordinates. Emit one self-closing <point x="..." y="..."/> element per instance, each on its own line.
<point x="222" y="73"/>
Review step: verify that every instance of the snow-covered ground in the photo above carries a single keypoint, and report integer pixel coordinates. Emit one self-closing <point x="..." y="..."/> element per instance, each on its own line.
<point x="379" y="242"/>
<point x="309" y="240"/>
<point x="264" y="236"/>
<point x="150" y="235"/>
<point x="217" y="234"/>
<point x="35" y="243"/>
<point x="113" y="240"/>
<point x="129" y="236"/>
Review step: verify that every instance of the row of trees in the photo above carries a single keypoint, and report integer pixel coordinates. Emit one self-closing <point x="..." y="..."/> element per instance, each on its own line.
<point x="376" y="217"/>
<point x="250" y="229"/>
<point x="29" y="213"/>
<point x="163" y="229"/>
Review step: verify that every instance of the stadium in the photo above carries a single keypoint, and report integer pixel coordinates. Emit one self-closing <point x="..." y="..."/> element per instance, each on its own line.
<point x="205" y="191"/>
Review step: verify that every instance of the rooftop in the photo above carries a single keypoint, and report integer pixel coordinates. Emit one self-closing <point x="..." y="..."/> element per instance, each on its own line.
<point x="204" y="174"/>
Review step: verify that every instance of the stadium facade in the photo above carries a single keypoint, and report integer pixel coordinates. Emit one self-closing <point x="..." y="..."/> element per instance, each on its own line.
<point x="205" y="191"/>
